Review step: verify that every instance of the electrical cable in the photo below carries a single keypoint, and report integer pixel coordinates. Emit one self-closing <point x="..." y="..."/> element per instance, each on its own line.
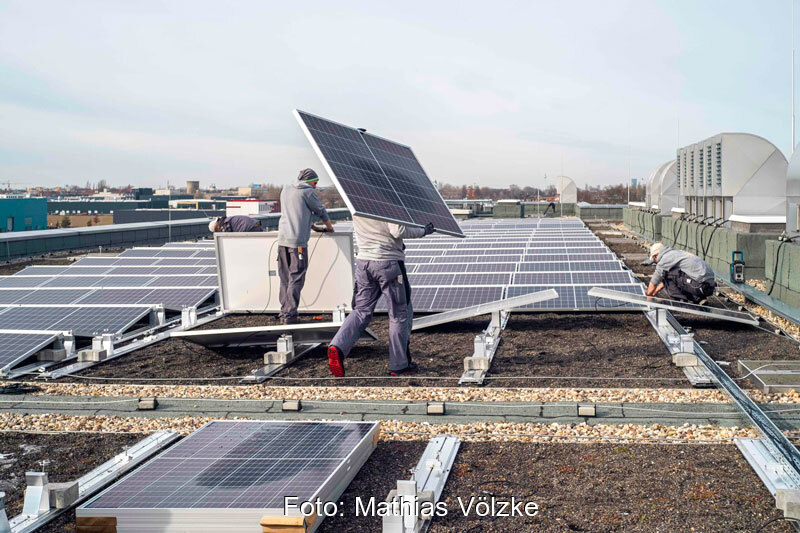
<point x="775" y="266"/>
<point x="777" y="519"/>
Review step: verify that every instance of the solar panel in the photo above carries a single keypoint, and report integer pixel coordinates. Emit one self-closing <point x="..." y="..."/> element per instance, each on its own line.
<point x="33" y="317"/>
<point x="482" y="279"/>
<point x="118" y="296"/>
<point x="458" y="297"/>
<point x="376" y="177"/>
<point x="565" y="300"/>
<point x="543" y="278"/>
<point x="430" y="279"/>
<point x="239" y="471"/>
<point x="22" y="281"/>
<point x="621" y="295"/>
<point x="185" y="281"/>
<point x="52" y="296"/>
<point x="91" y="321"/>
<point x="602" y="277"/>
<point x="15" y="347"/>
<point x="10" y="296"/>
<point x="176" y="299"/>
<point x="72" y="281"/>
<point x="83" y="321"/>
<point x="41" y="271"/>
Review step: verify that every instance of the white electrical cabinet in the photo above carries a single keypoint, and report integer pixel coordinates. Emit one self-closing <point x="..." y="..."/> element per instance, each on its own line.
<point x="247" y="266"/>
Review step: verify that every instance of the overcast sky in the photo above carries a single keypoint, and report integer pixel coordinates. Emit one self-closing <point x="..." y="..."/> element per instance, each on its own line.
<point x="491" y="93"/>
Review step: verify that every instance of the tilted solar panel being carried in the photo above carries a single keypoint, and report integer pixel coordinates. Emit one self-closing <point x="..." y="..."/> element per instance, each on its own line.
<point x="376" y="177"/>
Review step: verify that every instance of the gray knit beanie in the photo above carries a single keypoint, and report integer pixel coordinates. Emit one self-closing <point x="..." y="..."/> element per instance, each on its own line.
<point x="307" y="175"/>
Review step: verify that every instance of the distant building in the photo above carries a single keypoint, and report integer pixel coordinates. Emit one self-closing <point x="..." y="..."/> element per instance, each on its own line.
<point x="192" y="187"/>
<point x="248" y="207"/>
<point x="22" y="214"/>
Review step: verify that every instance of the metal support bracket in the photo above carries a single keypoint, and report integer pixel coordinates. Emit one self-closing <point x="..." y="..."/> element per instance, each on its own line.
<point x="188" y="317"/>
<point x="339" y="314"/>
<point x="680" y="344"/>
<point x="413" y="502"/>
<point x="90" y="483"/>
<point x="278" y="360"/>
<point x="37" y="495"/>
<point x="477" y="365"/>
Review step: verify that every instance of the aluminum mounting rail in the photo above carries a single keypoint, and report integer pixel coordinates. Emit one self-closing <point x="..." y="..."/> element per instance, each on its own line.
<point x="101" y="476"/>
<point x="507" y="304"/>
<point x="774" y="439"/>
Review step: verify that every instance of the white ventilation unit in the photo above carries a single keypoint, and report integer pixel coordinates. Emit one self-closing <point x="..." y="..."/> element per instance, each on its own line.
<point x="732" y="174"/>
<point x="567" y="190"/>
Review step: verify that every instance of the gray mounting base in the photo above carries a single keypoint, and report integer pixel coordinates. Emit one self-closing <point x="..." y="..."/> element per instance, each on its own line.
<point x="477" y="366"/>
<point x="679" y="342"/>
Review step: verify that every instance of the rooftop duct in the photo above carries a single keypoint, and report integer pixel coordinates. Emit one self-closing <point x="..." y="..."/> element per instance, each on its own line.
<point x="567" y="190"/>
<point x="735" y="175"/>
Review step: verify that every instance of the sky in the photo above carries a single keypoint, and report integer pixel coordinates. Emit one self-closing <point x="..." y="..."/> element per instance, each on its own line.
<point x="487" y="93"/>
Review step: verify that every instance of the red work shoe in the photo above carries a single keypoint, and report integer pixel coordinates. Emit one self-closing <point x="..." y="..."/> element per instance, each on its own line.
<point x="412" y="368"/>
<point x="335" y="361"/>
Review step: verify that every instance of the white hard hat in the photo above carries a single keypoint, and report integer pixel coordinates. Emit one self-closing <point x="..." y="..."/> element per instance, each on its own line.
<point x="212" y="226"/>
<point x="655" y="250"/>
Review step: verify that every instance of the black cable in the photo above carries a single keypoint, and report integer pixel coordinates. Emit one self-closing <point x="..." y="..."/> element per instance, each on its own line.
<point x="777" y="519"/>
<point x="775" y="266"/>
<point x="711" y="238"/>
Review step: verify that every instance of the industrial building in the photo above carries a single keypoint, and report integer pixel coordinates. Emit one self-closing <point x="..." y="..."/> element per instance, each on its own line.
<point x="22" y="213"/>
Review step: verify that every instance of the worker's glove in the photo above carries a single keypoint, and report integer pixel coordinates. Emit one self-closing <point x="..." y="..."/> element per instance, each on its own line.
<point x="319" y="229"/>
<point x="428" y="228"/>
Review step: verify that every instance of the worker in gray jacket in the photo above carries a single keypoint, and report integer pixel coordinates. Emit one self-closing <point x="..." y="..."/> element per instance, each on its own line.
<point x="380" y="270"/>
<point x="299" y="204"/>
<point x="685" y="276"/>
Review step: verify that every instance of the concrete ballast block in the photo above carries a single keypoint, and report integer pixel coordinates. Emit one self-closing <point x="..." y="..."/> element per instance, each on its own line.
<point x="788" y="501"/>
<point x="92" y="356"/>
<point x="682" y="359"/>
<point x="52" y="355"/>
<point x="63" y="495"/>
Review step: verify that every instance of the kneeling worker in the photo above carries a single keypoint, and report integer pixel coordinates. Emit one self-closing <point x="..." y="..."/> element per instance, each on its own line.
<point x="380" y="269"/>
<point x="234" y="224"/>
<point x="685" y="276"/>
<point x="299" y="204"/>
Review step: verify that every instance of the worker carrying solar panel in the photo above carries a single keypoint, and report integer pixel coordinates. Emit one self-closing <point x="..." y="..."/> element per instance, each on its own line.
<point x="299" y="205"/>
<point x="234" y="224"/>
<point x="684" y="276"/>
<point x="380" y="270"/>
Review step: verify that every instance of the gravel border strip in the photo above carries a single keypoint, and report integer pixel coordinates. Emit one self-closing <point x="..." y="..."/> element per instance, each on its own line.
<point x="392" y="430"/>
<point x="441" y="394"/>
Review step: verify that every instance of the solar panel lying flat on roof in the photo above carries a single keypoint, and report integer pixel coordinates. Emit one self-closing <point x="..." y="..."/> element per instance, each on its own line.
<point x="227" y="475"/>
<point x="376" y="177"/>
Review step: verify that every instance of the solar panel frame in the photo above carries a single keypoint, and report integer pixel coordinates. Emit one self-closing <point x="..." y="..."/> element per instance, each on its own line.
<point x="228" y="474"/>
<point x="329" y="140"/>
<point x="16" y="347"/>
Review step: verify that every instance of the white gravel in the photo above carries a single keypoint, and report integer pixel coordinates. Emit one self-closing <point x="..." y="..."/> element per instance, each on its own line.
<point x="449" y="394"/>
<point x="395" y="430"/>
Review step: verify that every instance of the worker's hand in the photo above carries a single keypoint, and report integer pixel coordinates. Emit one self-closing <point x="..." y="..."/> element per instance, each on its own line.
<point x="318" y="229"/>
<point x="428" y="228"/>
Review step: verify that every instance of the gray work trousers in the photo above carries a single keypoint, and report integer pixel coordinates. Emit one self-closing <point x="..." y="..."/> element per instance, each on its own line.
<point x="292" y="273"/>
<point x="373" y="279"/>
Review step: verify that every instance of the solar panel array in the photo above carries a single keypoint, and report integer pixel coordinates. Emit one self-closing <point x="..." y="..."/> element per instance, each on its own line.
<point x="98" y="295"/>
<point x="238" y="465"/>
<point x="377" y="177"/>
<point x="502" y="259"/>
